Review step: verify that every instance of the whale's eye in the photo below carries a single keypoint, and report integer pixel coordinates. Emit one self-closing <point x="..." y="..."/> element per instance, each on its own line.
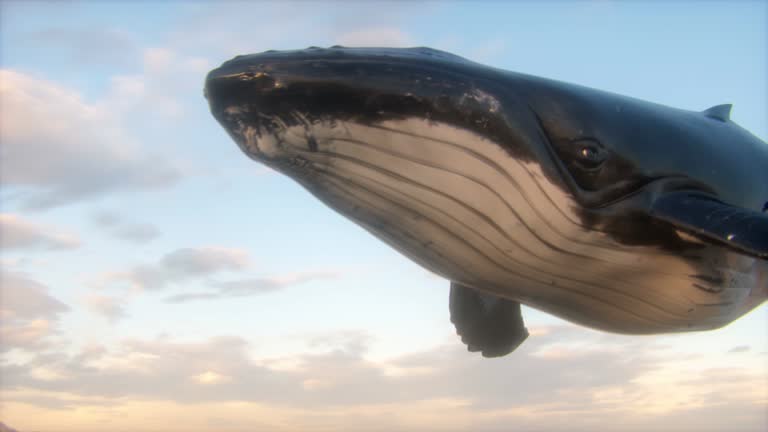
<point x="589" y="155"/>
<point x="765" y="207"/>
<point x="589" y="163"/>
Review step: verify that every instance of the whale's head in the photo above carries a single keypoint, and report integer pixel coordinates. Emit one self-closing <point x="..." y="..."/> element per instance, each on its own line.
<point x="291" y="109"/>
<point x="499" y="180"/>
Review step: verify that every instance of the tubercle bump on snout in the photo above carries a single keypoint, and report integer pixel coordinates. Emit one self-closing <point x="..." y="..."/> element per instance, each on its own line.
<point x="275" y="140"/>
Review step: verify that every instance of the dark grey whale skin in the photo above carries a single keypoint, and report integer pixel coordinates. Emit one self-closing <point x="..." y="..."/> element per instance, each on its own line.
<point x="700" y="153"/>
<point x="640" y="172"/>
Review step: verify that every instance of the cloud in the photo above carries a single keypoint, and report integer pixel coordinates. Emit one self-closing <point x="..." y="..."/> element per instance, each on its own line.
<point x="137" y="232"/>
<point x="218" y="32"/>
<point x="120" y="228"/>
<point x="488" y="50"/>
<point x="167" y="78"/>
<point x="27" y="312"/>
<point x="19" y="263"/>
<point x="188" y="265"/>
<point x="202" y="261"/>
<point x="378" y="37"/>
<point x="161" y="368"/>
<point x="601" y="377"/>
<point x="17" y="233"/>
<point x="158" y="76"/>
<point x="109" y="307"/>
<point x="349" y="341"/>
<point x="250" y="287"/>
<point x="23" y="298"/>
<point x="58" y="149"/>
<point x="211" y="378"/>
<point x="85" y="46"/>
<point x="181" y="265"/>
<point x="5" y="428"/>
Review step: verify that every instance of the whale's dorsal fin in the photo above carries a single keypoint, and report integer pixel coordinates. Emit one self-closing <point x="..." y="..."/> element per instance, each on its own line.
<point x="489" y="324"/>
<point x="719" y="112"/>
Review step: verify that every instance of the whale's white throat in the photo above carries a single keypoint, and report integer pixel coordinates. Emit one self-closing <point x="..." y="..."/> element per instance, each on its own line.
<point x="463" y="207"/>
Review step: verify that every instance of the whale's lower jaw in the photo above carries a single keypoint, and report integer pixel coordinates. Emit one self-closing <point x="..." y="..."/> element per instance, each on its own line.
<point x="464" y="208"/>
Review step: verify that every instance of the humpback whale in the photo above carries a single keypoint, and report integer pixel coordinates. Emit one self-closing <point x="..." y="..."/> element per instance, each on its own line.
<point x="608" y="211"/>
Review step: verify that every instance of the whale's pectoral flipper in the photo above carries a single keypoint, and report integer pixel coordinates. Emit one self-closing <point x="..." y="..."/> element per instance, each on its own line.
<point x="742" y="229"/>
<point x="492" y="325"/>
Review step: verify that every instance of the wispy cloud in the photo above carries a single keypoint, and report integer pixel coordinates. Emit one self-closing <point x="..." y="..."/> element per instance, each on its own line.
<point x="121" y="228"/>
<point x="19" y="233"/>
<point x="58" y="149"/>
<point x="110" y="307"/>
<point x="218" y="32"/>
<point x="166" y="80"/>
<point x="183" y="267"/>
<point x="349" y="341"/>
<point x="250" y="287"/>
<point x="180" y="265"/>
<point x="89" y="46"/>
<point x="376" y="36"/>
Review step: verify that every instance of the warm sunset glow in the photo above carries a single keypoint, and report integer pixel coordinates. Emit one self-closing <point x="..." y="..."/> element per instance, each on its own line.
<point x="155" y="279"/>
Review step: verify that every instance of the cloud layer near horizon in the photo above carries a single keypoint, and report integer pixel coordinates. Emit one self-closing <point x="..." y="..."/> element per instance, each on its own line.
<point x="443" y="388"/>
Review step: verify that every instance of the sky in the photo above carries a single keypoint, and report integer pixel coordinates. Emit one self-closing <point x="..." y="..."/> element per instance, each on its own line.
<point x="153" y="278"/>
